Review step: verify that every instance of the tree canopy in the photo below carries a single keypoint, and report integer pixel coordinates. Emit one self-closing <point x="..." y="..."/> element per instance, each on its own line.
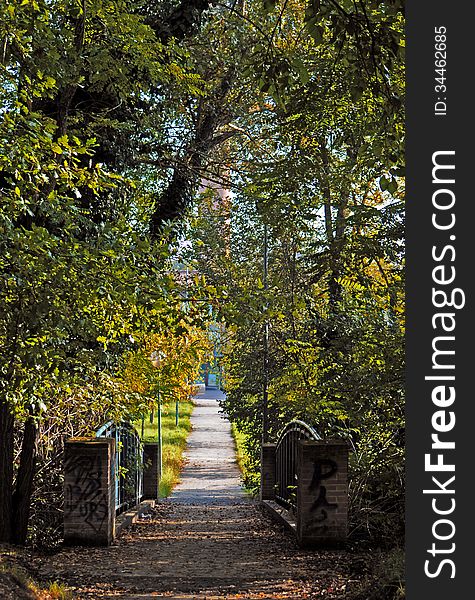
<point x="112" y="113"/>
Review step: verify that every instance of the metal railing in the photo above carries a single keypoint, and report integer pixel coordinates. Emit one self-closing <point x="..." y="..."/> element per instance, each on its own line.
<point x="128" y="464"/>
<point x="286" y="461"/>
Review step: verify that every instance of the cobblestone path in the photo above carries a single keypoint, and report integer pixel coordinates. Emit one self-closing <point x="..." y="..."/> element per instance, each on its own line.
<point x="208" y="541"/>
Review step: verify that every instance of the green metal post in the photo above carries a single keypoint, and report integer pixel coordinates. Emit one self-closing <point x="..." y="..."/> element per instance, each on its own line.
<point x="159" y="427"/>
<point x="177" y="413"/>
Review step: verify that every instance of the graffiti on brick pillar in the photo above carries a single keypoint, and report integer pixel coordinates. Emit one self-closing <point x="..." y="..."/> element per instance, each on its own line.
<point x="83" y="491"/>
<point x="323" y="468"/>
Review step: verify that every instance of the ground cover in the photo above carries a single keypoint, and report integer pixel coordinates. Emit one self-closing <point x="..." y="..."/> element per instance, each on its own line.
<point x="17" y="582"/>
<point x="173" y="440"/>
<point x="248" y="470"/>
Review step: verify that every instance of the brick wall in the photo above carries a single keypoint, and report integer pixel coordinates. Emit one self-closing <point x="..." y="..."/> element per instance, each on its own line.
<point x="151" y="476"/>
<point x="322" y="492"/>
<point x="268" y="472"/>
<point x="89" y="491"/>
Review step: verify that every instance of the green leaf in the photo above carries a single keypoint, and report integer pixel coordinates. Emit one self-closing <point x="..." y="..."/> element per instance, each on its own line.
<point x="392" y="186"/>
<point x="301" y="70"/>
<point x="315" y="31"/>
<point x="269" y="5"/>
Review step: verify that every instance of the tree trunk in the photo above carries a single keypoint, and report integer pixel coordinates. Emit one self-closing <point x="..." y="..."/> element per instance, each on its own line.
<point x="24" y="484"/>
<point x="181" y="21"/>
<point x="177" y="196"/>
<point x="335" y="228"/>
<point x="6" y="470"/>
<point x="334" y="287"/>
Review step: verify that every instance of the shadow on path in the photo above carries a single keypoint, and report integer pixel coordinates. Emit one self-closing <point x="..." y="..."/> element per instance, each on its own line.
<point x="211" y="474"/>
<point x="207" y="541"/>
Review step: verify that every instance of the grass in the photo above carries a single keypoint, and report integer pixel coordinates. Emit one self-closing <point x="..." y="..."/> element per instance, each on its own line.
<point x="239" y="441"/>
<point x="55" y="591"/>
<point x="390" y="571"/>
<point x="173" y="441"/>
<point x="16" y="579"/>
<point x="386" y="581"/>
<point x="249" y="475"/>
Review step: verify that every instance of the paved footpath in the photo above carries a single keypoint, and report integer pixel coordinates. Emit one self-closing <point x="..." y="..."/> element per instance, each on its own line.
<point x="209" y="540"/>
<point x="211" y="475"/>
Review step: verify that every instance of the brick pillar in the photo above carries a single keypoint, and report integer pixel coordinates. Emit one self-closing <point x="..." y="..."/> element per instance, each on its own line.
<point x="268" y="471"/>
<point x="151" y="476"/>
<point x="89" y="491"/>
<point x="322" y="492"/>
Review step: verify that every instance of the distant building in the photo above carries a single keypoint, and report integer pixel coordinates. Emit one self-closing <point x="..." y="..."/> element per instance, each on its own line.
<point x="212" y="372"/>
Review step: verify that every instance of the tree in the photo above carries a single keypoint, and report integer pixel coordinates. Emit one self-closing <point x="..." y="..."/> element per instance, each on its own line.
<point x="78" y="272"/>
<point x="324" y="173"/>
<point x="112" y="113"/>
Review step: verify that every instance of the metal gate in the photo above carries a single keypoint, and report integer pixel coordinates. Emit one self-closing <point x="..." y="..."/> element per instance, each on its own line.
<point x="286" y="460"/>
<point x="128" y="464"/>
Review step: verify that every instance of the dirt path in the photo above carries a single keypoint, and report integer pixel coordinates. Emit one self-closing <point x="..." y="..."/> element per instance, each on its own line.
<point x="209" y="540"/>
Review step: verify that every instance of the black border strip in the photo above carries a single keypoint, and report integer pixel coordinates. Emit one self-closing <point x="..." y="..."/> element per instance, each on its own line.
<point x="430" y="131"/>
